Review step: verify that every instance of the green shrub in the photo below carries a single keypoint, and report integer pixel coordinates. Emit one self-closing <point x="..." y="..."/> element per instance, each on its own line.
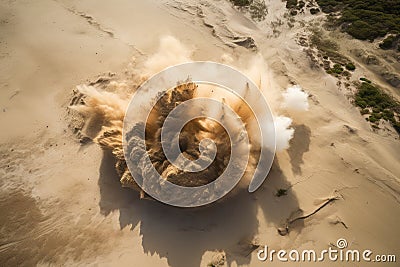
<point x="241" y="2"/>
<point x="337" y="68"/>
<point x="396" y="126"/>
<point x="376" y="110"/>
<point x="388" y="115"/>
<point x="373" y="119"/>
<point x="361" y="103"/>
<point x="346" y="73"/>
<point x="365" y="80"/>
<point x="258" y="10"/>
<point x="388" y="42"/>
<point x="364" y="111"/>
<point x="361" y="30"/>
<point x="378" y="116"/>
<point x="350" y="66"/>
<point x="314" y="11"/>
<point x="291" y="3"/>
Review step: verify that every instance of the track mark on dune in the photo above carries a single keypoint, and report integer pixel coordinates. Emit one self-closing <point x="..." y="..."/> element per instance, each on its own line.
<point x="91" y="20"/>
<point x="98" y="26"/>
<point x="95" y="24"/>
<point x="214" y="17"/>
<point x="285" y="230"/>
<point x="339" y="221"/>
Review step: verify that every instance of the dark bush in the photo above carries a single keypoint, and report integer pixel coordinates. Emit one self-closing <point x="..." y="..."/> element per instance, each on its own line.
<point x="388" y="114"/>
<point x="364" y="111"/>
<point x="361" y="30"/>
<point x="258" y="10"/>
<point x="361" y="103"/>
<point x="389" y="42"/>
<point x="281" y="192"/>
<point x="337" y="68"/>
<point x="396" y="126"/>
<point x="346" y="73"/>
<point x="291" y="3"/>
<point x="365" y="80"/>
<point x="314" y="11"/>
<point x="350" y="66"/>
<point x="373" y="119"/>
<point x="241" y="2"/>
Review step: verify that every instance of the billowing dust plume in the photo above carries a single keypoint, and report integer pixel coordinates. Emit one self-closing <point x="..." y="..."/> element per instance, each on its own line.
<point x="295" y="99"/>
<point x="106" y="107"/>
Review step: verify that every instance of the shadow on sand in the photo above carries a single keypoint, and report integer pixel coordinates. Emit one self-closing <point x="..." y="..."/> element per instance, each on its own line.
<point x="184" y="235"/>
<point x="299" y="145"/>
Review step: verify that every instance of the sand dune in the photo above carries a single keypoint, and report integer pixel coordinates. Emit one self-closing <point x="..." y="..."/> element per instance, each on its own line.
<point x="61" y="201"/>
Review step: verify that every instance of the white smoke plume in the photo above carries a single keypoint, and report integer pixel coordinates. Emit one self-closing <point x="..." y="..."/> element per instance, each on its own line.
<point x="284" y="133"/>
<point x="295" y="99"/>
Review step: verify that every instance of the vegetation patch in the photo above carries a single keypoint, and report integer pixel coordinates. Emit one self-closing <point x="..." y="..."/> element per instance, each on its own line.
<point x="390" y="42"/>
<point x="314" y="11"/>
<point x="257" y="8"/>
<point x="241" y="2"/>
<point x="336" y="70"/>
<point x="295" y="6"/>
<point x="329" y="51"/>
<point x="291" y="4"/>
<point x="374" y="101"/>
<point x="327" y="47"/>
<point x="350" y="66"/>
<point x="365" y="20"/>
<point x="365" y="80"/>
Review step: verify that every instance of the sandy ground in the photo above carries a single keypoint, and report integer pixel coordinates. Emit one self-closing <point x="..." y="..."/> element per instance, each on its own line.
<point x="61" y="203"/>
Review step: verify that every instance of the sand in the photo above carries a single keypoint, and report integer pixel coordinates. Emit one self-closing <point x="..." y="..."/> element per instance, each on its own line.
<point x="61" y="202"/>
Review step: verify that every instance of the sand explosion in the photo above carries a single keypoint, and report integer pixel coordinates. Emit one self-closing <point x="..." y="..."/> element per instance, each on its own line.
<point x="107" y="106"/>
